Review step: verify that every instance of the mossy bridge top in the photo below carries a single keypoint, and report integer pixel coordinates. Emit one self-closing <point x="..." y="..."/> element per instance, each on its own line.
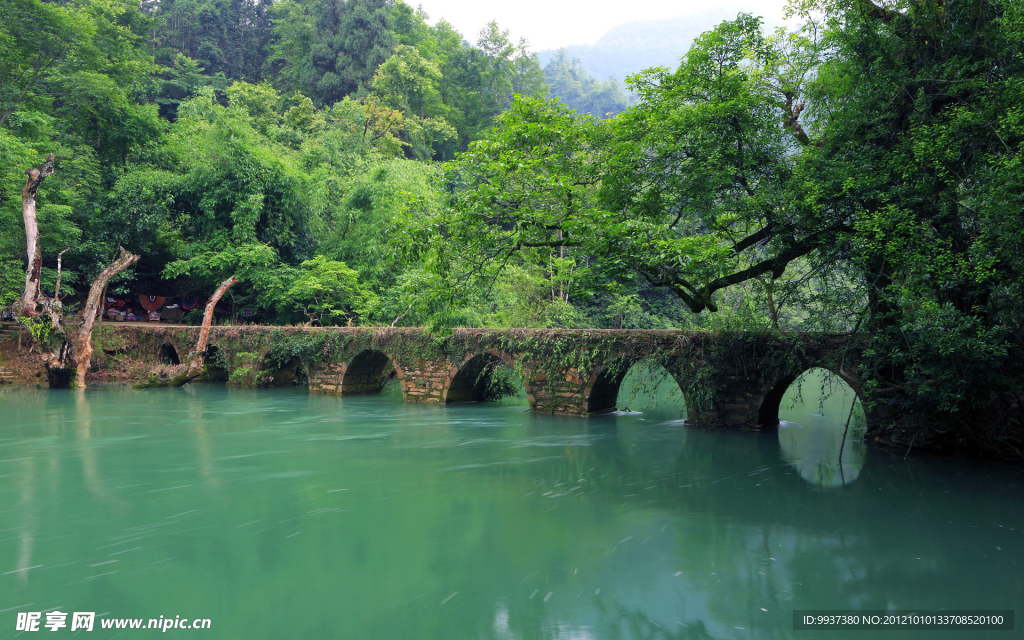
<point x="729" y="379"/>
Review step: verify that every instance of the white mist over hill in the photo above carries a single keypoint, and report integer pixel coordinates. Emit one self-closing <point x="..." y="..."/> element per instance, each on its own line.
<point x="634" y="46"/>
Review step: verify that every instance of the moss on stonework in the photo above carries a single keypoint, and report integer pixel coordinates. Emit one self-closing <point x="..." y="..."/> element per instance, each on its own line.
<point x="556" y="365"/>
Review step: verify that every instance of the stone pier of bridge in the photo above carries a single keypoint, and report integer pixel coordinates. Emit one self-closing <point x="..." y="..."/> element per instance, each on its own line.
<point x="728" y="379"/>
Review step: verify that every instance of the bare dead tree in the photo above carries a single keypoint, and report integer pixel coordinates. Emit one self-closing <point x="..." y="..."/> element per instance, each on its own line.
<point x="204" y="332"/>
<point x="195" y="361"/>
<point x="52" y="306"/>
<point x="60" y="258"/>
<point x="28" y="210"/>
<point x="83" y="341"/>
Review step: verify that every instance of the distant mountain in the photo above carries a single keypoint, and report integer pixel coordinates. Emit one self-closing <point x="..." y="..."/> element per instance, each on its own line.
<point x="635" y="46"/>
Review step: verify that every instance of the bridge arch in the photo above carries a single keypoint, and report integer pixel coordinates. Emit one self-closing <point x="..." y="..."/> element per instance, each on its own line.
<point x="215" y="363"/>
<point x="168" y="354"/>
<point x="768" y="413"/>
<point x="602" y="389"/>
<point x="467" y="381"/>
<point x="367" y="372"/>
<point x="822" y="438"/>
<point x="601" y="393"/>
<point x="290" y="372"/>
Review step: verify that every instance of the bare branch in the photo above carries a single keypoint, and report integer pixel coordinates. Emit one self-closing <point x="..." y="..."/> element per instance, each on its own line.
<point x="28" y="210"/>
<point x="792" y="120"/>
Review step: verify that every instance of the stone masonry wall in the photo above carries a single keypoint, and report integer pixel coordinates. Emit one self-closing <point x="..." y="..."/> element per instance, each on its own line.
<point x="729" y="380"/>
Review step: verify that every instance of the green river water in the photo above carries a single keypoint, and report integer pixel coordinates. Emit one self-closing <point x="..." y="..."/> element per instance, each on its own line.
<point x="279" y="514"/>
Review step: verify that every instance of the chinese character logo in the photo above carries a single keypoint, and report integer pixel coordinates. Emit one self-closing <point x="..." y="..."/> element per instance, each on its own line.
<point x="80" y="620"/>
<point x="83" y="620"/>
<point x="56" y="620"/>
<point x="28" y="621"/>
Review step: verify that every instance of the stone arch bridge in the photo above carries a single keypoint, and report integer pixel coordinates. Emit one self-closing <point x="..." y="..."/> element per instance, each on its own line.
<point x="729" y="379"/>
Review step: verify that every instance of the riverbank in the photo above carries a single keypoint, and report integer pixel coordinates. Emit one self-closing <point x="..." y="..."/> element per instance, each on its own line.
<point x="21" y="364"/>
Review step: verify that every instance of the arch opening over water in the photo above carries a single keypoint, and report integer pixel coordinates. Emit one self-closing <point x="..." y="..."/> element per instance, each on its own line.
<point x="821" y="427"/>
<point x="290" y="373"/>
<point x="169" y="355"/>
<point x="484" y="377"/>
<point x="815" y="385"/>
<point x="650" y="388"/>
<point x="213" y="362"/>
<point x="368" y="372"/>
<point x="644" y="386"/>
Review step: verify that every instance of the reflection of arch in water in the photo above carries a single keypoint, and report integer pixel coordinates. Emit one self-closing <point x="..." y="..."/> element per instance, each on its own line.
<point x="645" y="380"/>
<point x="832" y="382"/>
<point x="469" y="381"/>
<point x="822" y="433"/>
<point x="168" y="354"/>
<point x="368" y="372"/>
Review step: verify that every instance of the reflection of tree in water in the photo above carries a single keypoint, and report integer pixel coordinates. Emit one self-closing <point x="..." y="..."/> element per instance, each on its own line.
<point x="711" y="501"/>
<point x="734" y="526"/>
<point x="616" y="622"/>
<point x="619" y="622"/>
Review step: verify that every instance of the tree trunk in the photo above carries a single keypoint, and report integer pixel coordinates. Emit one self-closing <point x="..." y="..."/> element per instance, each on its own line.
<point x="195" y="358"/>
<point x="195" y="361"/>
<point x="102" y="305"/>
<point x="773" y="312"/>
<point x="28" y="210"/>
<point x="83" y="341"/>
<point x="60" y="258"/>
<point x="52" y="306"/>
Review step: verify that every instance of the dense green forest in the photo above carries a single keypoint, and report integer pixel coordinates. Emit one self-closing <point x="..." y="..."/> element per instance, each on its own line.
<point x="299" y="132"/>
<point x="353" y="164"/>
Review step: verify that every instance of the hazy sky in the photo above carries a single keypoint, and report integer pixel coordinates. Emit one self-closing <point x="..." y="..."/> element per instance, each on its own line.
<point x="549" y="24"/>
